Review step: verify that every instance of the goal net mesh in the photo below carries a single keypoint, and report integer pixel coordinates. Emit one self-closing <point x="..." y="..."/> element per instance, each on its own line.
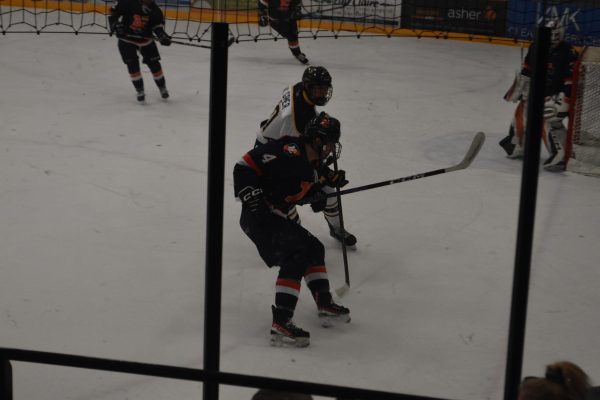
<point x="583" y="144"/>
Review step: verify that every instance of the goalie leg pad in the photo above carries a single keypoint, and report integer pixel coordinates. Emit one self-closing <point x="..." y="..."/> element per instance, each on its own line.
<point x="556" y="138"/>
<point x="519" y="90"/>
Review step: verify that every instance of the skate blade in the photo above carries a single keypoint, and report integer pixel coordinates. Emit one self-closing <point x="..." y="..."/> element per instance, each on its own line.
<point x="278" y="340"/>
<point x="327" y="321"/>
<point x="558" y="167"/>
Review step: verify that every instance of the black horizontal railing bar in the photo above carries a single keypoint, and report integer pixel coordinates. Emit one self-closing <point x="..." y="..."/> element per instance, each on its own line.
<point x="199" y="375"/>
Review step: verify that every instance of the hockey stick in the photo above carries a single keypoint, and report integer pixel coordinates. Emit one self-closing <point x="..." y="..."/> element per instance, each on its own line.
<point x="467" y="160"/>
<point x="344" y="289"/>
<point x="191" y="44"/>
<point x="229" y="43"/>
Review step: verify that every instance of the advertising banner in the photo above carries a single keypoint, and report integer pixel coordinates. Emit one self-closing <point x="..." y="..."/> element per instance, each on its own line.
<point x="368" y="12"/>
<point x="483" y="17"/>
<point x="580" y="17"/>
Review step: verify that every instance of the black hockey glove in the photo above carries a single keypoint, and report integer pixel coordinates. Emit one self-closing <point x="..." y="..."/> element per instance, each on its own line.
<point x="263" y="20"/>
<point x="118" y="29"/>
<point x="164" y="39"/>
<point x="263" y="15"/>
<point x="331" y="178"/>
<point x="319" y="205"/>
<point x="297" y="12"/>
<point x="315" y="197"/>
<point x="254" y="201"/>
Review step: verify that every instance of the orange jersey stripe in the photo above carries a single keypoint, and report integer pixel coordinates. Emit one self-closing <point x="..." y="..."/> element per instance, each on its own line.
<point x="252" y="164"/>
<point x="305" y="187"/>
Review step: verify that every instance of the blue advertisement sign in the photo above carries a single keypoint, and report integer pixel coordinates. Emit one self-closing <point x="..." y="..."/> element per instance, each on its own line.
<point x="582" y="20"/>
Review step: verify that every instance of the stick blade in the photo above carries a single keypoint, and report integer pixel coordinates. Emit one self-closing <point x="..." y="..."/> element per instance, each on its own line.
<point x="342" y="291"/>
<point x="476" y="145"/>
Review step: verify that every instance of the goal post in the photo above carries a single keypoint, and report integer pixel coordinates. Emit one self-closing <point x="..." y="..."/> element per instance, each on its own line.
<point x="582" y="152"/>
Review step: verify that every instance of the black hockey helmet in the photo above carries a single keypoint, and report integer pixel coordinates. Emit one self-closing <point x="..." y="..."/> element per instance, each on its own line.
<point x="323" y="132"/>
<point x="317" y="85"/>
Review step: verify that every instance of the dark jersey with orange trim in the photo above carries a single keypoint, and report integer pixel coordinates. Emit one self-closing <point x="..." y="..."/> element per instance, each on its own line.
<point x="561" y="61"/>
<point x="280" y="168"/>
<point x="290" y="116"/>
<point x="140" y="19"/>
<point x="281" y="10"/>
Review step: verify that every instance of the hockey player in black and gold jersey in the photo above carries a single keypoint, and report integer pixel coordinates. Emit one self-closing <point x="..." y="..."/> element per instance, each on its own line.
<point x="134" y="22"/>
<point x="290" y="116"/>
<point x="269" y="180"/>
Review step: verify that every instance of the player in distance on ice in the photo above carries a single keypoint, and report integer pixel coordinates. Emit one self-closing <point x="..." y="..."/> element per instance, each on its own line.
<point x="269" y="180"/>
<point x="561" y="62"/>
<point x="283" y="16"/>
<point x="290" y="116"/>
<point x="134" y="22"/>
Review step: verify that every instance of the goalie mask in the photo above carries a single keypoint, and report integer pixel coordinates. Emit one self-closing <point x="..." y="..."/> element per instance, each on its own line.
<point x="323" y="132"/>
<point x="557" y="33"/>
<point x="317" y="85"/>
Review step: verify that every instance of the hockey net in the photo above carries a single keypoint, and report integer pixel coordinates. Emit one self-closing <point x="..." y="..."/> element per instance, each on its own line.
<point x="583" y="138"/>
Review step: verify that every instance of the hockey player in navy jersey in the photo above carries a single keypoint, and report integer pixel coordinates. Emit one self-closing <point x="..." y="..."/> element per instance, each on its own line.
<point x="290" y="116"/>
<point x="283" y="16"/>
<point x="134" y="22"/>
<point x="269" y="180"/>
<point x="561" y="61"/>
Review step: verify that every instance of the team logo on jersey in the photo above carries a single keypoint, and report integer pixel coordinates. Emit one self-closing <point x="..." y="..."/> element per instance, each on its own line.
<point x="291" y="149"/>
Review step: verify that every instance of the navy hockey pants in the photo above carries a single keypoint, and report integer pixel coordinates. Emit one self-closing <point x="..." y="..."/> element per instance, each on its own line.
<point x="284" y="243"/>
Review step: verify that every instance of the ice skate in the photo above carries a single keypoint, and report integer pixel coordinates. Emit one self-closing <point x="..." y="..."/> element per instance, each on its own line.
<point x="284" y="332"/>
<point x="518" y="152"/>
<point x="511" y="145"/>
<point x="331" y="313"/>
<point x="301" y="57"/>
<point x="164" y="93"/>
<point x="343" y="237"/>
<point x="555" y="163"/>
<point x="141" y="96"/>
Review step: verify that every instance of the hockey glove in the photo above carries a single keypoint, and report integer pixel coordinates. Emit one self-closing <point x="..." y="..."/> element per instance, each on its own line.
<point x="164" y="39"/>
<point x="297" y="12"/>
<point x="319" y="205"/>
<point x="556" y="108"/>
<point x="263" y="14"/>
<point x="263" y="19"/>
<point x="254" y="201"/>
<point x="118" y="29"/>
<point x="331" y="178"/>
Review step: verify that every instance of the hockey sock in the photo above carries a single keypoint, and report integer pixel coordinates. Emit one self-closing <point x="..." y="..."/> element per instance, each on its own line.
<point x="286" y="293"/>
<point x="157" y="73"/>
<point x="160" y="80"/>
<point x="138" y="82"/>
<point x="316" y="279"/>
<point x="294" y="47"/>
<point x="332" y="214"/>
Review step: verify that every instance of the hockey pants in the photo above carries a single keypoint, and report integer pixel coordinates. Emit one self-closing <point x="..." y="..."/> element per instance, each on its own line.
<point x="295" y="250"/>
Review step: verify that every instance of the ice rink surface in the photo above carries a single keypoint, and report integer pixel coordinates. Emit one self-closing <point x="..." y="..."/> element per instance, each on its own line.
<point x="103" y="211"/>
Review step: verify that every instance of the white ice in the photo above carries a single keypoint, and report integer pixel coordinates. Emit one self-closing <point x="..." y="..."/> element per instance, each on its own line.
<point x="103" y="212"/>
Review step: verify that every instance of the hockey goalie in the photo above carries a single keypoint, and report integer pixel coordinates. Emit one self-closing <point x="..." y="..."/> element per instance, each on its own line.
<point x="559" y="78"/>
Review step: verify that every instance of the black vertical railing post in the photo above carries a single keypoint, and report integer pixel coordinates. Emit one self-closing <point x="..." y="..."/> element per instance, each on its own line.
<point x="6" y="384"/>
<point x="214" y="207"/>
<point x="529" y="183"/>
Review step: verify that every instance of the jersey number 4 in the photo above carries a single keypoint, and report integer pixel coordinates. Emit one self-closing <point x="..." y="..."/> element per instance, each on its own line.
<point x="267" y="158"/>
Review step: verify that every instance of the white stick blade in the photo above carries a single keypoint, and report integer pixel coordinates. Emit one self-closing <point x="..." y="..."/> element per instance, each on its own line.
<point x="476" y="145"/>
<point x="342" y="291"/>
